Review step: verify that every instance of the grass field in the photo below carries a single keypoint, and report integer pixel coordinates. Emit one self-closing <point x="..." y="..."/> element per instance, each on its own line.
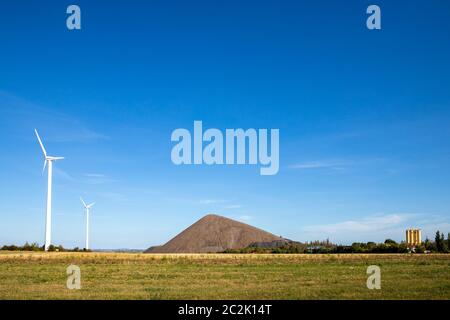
<point x="216" y="276"/>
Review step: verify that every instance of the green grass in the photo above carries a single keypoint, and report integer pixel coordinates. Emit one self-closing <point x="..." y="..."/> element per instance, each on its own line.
<point x="139" y="276"/>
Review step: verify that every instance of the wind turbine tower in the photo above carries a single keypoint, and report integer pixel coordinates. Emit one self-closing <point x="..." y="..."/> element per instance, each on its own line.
<point x="48" y="220"/>
<point x="87" y="207"/>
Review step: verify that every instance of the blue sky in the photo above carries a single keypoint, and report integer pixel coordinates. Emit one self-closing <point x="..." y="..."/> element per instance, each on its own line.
<point x="363" y="116"/>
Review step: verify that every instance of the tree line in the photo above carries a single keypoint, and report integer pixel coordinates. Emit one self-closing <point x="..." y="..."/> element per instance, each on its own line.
<point x="35" y="247"/>
<point x="439" y="245"/>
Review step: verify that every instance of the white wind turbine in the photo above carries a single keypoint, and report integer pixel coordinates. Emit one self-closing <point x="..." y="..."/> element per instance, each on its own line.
<point x="48" y="221"/>
<point x="87" y="207"/>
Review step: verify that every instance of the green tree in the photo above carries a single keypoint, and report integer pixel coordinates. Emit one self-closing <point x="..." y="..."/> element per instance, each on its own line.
<point x="35" y="247"/>
<point x="389" y="242"/>
<point x="443" y="244"/>
<point x="371" y="245"/>
<point x="420" y="249"/>
<point x="429" y="245"/>
<point x="448" y="241"/>
<point x="439" y="242"/>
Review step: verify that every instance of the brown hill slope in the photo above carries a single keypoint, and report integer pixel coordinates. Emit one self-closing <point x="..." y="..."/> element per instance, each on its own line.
<point x="214" y="233"/>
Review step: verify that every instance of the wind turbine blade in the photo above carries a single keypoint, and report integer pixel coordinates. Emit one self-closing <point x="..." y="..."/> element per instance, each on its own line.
<point x="84" y="204"/>
<point x="91" y="205"/>
<point x="45" y="164"/>
<point x="50" y="158"/>
<point x="40" y="142"/>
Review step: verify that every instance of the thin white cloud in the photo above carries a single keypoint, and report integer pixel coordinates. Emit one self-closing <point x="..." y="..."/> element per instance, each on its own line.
<point x="321" y="164"/>
<point x="86" y="178"/>
<point x="94" y="175"/>
<point x="64" y="127"/>
<point x="60" y="173"/>
<point x="96" y="178"/>
<point x="368" y="224"/>
<point x="210" y="201"/>
<point x="78" y="134"/>
<point x="115" y="196"/>
<point x="233" y="206"/>
<point x="336" y="164"/>
<point x="222" y="203"/>
<point x="376" y="228"/>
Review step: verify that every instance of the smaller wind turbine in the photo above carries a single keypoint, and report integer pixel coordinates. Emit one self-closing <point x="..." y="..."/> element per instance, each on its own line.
<point x="87" y="207"/>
